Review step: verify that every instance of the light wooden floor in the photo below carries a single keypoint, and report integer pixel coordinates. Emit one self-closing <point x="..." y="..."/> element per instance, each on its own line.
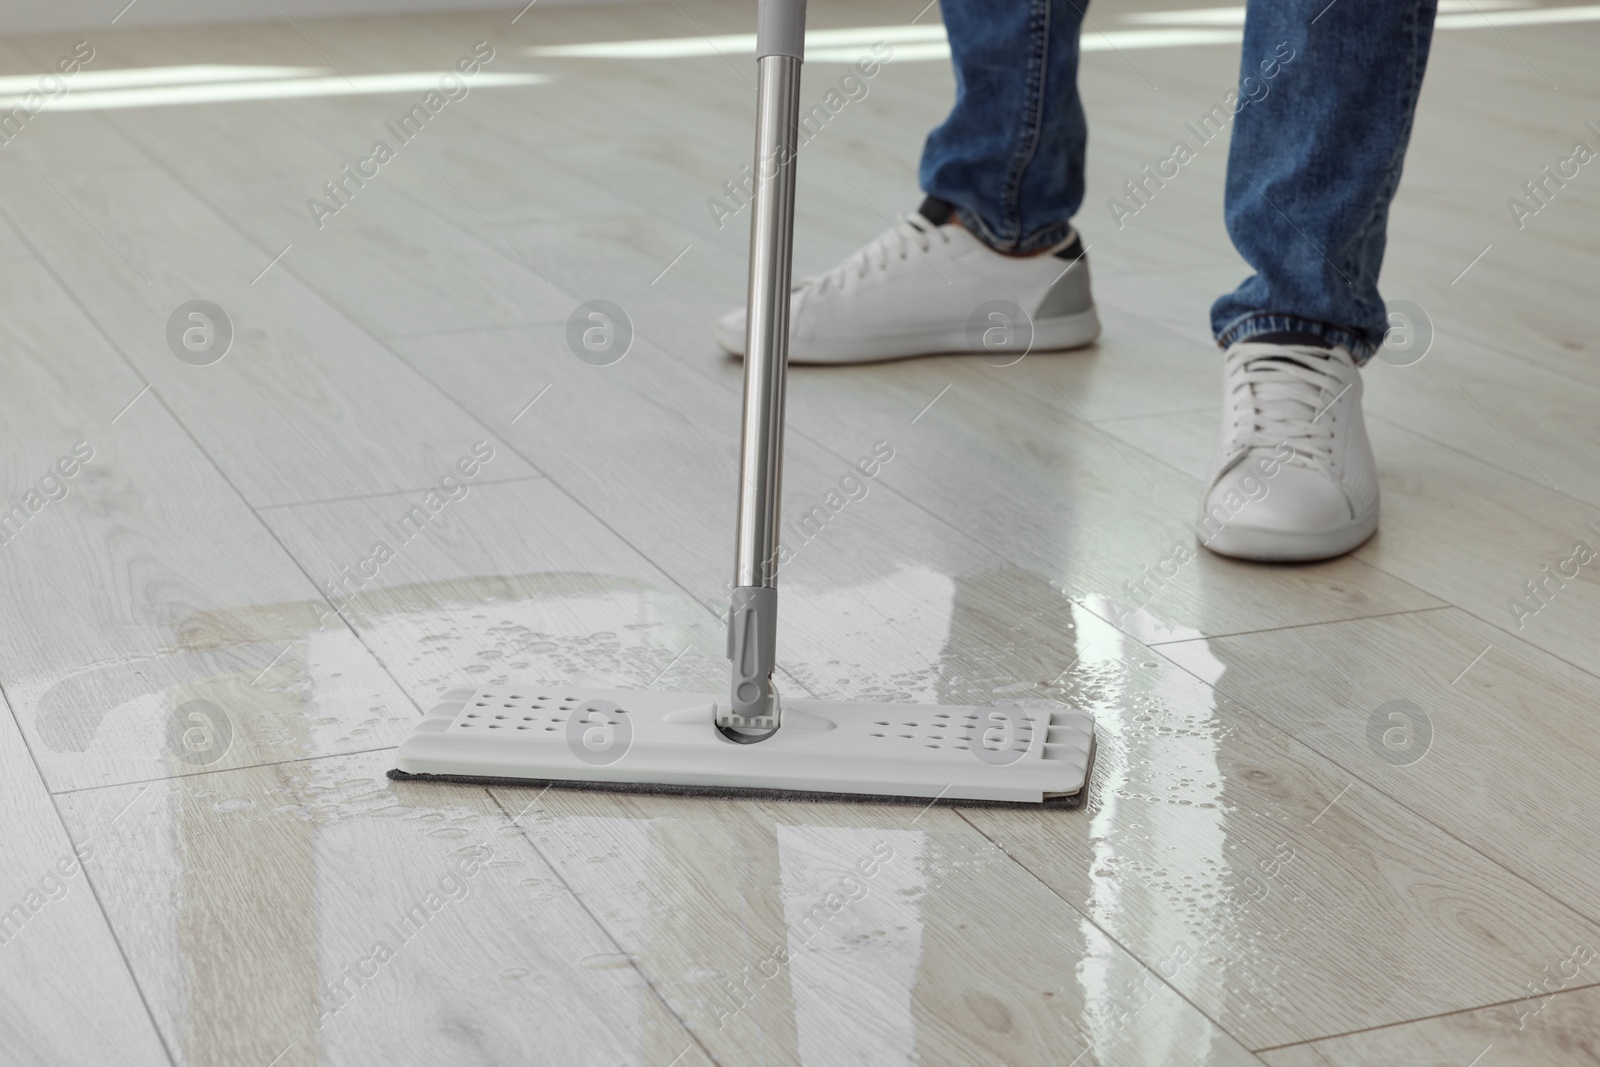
<point x="1255" y="877"/>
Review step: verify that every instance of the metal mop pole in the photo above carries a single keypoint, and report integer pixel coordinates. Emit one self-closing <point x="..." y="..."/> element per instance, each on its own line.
<point x="752" y="620"/>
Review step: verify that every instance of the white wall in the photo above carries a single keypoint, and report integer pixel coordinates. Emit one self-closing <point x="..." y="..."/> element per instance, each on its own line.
<point x="24" y="16"/>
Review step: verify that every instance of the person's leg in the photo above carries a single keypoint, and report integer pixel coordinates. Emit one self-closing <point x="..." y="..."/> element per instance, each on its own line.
<point x="967" y="271"/>
<point x="1010" y="155"/>
<point x="1314" y="164"/>
<point x="1312" y="169"/>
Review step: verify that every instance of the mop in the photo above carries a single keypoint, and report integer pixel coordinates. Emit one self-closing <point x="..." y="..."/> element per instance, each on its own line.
<point x="748" y="741"/>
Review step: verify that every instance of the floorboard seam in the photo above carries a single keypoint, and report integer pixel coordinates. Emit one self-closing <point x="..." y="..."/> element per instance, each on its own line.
<point x="1422" y="1019"/>
<point x="258" y="508"/>
<point x="222" y="770"/>
<point x="1521" y="477"/>
<point x="604" y="930"/>
<point x="1414" y="585"/>
<point x="1132" y="955"/>
<point x="1275" y="629"/>
<point x="1298" y="738"/>
<point x="88" y="877"/>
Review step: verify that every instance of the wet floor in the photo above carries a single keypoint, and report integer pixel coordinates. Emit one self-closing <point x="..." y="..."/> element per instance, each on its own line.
<point x="1337" y="814"/>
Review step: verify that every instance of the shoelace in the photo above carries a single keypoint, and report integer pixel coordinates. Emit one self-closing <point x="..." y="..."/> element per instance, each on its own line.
<point x="1283" y="398"/>
<point x="910" y="232"/>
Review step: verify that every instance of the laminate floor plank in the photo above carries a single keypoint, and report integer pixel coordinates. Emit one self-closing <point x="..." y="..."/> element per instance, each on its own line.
<point x="69" y="995"/>
<point x="1475" y="146"/>
<point x="514" y="580"/>
<point x="55" y="139"/>
<point x="1267" y="884"/>
<point x="414" y="271"/>
<point x="318" y="913"/>
<point x="14" y="64"/>
<point x="152" y="625"/>
<point x="1511" y="413"/>
<point x="1421" y="706"/>
<point x="354" y="424"/>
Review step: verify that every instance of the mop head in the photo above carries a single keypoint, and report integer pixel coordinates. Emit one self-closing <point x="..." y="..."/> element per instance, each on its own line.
<point x="641" y="741"/>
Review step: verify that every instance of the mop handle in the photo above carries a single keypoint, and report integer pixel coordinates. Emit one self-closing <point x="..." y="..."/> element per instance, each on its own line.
<point x="753" y="616"/>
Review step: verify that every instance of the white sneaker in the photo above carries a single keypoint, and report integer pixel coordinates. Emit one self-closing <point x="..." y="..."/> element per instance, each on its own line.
<point x="921" y="289"/>
<point x="1293" y="477"/>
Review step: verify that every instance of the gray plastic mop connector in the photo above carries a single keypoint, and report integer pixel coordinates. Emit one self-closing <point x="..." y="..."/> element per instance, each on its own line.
<point x="781" y="28"/>
<point x="753" y="649"/>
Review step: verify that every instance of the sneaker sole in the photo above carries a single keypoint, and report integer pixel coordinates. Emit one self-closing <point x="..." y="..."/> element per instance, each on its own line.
<point x="1049" y="335"/>
<point x="1283" y="546"/>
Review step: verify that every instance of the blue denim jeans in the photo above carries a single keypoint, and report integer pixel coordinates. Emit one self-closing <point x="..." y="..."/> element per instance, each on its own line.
<point x="1320" y="120"/>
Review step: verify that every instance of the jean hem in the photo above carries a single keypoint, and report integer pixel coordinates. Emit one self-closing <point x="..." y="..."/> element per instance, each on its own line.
<point x="1257" y="323"/>
<point x="1038" y="241"/>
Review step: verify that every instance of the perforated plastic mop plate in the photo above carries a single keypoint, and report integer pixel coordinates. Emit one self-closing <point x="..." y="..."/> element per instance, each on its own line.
<point x="633" y="740"/>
